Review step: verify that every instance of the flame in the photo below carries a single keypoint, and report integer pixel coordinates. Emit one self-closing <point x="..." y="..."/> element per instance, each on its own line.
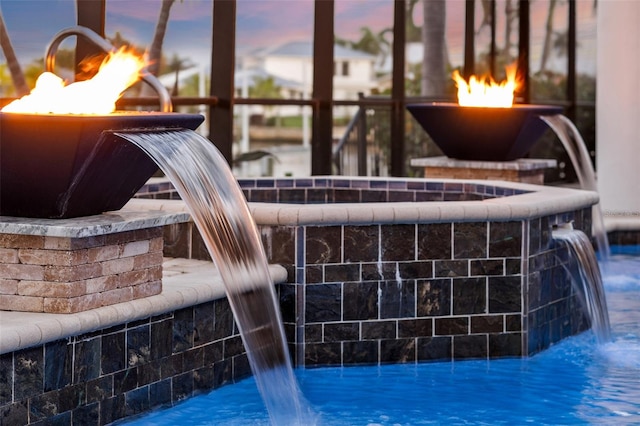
<point x="98" y="95"/>
<point x="485" y="92"/>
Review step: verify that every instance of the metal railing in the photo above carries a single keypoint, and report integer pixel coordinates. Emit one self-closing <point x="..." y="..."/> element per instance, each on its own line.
<point x="363" y="149"/>
<point x="356" y="131"/>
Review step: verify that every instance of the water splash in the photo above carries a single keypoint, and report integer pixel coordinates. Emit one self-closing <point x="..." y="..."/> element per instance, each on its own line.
<point x="588" y="280"/>
<point x="577" y="151"/>
<point x="205" y="183"/>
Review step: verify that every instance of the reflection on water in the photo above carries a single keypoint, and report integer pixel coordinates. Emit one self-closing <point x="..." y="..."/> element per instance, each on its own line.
<point x="613" y="395"/>
<point x="614" y="373"/>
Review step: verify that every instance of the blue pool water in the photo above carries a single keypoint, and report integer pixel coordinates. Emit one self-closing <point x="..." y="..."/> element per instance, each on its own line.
<point x="573" y="383"/>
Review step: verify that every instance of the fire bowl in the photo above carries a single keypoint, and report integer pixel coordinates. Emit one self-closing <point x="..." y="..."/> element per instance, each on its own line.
<point x="62" y="166"/>
<point x="482" y="134"/>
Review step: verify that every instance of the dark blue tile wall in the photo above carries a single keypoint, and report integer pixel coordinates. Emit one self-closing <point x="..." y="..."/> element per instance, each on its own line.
<point x="489" y="278"/>
<point x="122" y="371"/>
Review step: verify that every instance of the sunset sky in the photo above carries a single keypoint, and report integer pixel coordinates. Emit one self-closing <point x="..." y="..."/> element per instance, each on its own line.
<point x="33" y="23"/>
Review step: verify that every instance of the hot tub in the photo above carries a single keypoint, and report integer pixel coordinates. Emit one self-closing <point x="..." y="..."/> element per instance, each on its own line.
<point x="410" y="270"/>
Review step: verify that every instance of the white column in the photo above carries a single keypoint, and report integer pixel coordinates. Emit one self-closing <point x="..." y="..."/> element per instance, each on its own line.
<point x="618" y="107"/>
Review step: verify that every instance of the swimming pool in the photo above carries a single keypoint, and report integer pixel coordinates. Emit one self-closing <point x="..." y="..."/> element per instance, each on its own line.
<point x="574" y="382"/>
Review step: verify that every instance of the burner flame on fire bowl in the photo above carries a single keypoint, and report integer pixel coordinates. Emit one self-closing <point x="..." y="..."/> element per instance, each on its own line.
<point x="62" y="166"/>
<point x="483" y="133"/>
<point x="59" y="157"/>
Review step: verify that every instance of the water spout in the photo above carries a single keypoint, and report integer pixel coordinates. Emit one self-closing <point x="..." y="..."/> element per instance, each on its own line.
<point x="204" y="181"/>
<point x="576" y="148"/>
<point x="587" y="280"/>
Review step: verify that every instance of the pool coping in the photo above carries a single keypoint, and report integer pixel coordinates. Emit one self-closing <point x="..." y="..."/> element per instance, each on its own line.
<point x="185" y="282"/>
<point x="133" y="216"/>
<point x="540" y="201"/>
<point x="622" y="223"/>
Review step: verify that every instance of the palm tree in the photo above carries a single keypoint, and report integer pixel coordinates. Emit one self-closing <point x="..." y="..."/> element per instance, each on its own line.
<point x="15" y="70"/>
<point x="434" y="63"/>
<point x="370" y="42"/>
<point x="6" y="84"/>
<point x="118" y="41"/>
<point x="266" y="87"/>
<point x="511" y="14"/>
<point x="33" y="70"/>
<point x="154" y="54"/>
<point x="176" y="65"/>
<point x="487" y="15"/>
<point x="546" y="47"/>
<point x="413" y="33"/>
<point x="155" y="50"/>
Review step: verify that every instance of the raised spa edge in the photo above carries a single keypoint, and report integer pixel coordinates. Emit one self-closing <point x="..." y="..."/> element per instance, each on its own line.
<point x="360" y="283"/>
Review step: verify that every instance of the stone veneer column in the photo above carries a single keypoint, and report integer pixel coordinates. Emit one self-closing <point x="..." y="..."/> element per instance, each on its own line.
<point x="67" y="275"/>
<point x="618" y="107"/>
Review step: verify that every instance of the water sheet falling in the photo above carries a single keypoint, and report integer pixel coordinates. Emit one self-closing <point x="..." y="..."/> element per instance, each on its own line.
<point x="576" y="148"/>
<point x="586" y="276"/>
<point x="205" y="183"/>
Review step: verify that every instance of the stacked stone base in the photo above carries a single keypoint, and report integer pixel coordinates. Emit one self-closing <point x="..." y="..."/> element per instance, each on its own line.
<point x="525" y="170"/>
<point x="525" y="176"/>
<point x="69" y="274"/>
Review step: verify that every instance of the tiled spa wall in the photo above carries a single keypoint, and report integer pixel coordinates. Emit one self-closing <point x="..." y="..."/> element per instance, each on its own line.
<point x="389" y="292"/>
<point x="420" y="292"/>
<point x="355" y="295"/>
<point x="98" y="378"/>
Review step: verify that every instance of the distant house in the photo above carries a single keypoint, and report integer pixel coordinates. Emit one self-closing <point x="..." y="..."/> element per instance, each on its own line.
<point x="291" y="66"/>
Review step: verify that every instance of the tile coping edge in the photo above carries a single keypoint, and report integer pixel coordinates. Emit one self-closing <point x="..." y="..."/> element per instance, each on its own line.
<point x="144" y="213"/>
<point x="21" y="330"/>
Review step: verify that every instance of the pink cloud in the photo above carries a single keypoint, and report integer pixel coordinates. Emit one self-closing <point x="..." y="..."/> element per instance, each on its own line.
<point x="268" y="23"/>
<point x="265" y="23"/>
<point x="148" y="10"/>
<point x="352" y="15"/>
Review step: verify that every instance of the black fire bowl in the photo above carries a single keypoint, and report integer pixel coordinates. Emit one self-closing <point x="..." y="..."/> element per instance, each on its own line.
<point x="63" y="166"/>
<point x="483" y="134"/>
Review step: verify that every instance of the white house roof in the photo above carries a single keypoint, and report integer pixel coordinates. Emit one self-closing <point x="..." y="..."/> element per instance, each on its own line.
<point x="251" y="74"/>
<point x="257" y="73"/>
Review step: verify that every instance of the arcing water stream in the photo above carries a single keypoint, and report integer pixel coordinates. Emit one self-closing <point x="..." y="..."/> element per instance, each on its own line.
<point x="587" y="275"/>
<point x="576" y="148"/>
<point x="204" y="181"/>
<point x="587" y="280"/>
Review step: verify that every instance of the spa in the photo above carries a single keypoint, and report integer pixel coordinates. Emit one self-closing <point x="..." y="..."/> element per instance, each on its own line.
<point x="198" y="259"/>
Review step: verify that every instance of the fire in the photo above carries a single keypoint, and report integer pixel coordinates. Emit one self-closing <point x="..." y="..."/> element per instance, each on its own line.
<point x="485" y="92"/>
<point x="98" y="95"/>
